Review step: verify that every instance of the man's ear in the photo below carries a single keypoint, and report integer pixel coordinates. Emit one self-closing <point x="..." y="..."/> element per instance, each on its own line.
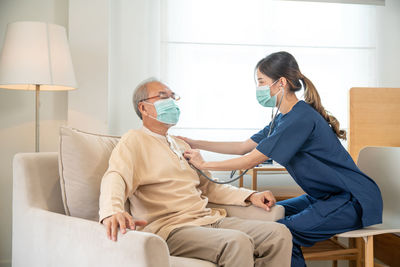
<point x="142" y="109"/>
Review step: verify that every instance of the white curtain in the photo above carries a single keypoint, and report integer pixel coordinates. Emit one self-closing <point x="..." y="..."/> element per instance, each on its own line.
<point x="134" y="55"/>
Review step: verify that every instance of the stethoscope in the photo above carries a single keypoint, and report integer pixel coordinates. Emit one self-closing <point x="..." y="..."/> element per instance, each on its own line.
<point x="231" y="178"/>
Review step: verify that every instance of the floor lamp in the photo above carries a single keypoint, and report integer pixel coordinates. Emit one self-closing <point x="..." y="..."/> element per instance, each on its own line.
<point x="36" y="56"/>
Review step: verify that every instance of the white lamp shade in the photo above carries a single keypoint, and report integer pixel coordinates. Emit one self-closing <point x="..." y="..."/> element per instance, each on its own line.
<point x="36" y="53"/>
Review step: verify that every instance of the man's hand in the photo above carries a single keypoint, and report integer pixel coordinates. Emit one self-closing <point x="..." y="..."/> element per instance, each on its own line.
<point x="264" y="200"/>
<point x="122" y="220"/>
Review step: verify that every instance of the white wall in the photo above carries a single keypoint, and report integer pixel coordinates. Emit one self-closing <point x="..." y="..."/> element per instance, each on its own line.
<point x="17" y="111"/>
<point x="89" y="44"/>
<point x="388" y="44"/>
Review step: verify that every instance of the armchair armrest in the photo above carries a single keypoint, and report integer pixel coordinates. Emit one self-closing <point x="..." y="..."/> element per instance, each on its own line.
<point x="52" y="239"/>
<point x="252" y="212"/>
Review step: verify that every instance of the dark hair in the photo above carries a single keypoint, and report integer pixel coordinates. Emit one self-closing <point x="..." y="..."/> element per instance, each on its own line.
<point x="283" y="64"/>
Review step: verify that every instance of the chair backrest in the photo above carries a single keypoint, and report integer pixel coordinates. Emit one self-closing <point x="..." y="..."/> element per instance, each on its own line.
<point x="382" y="164"/>
<point x="373" y="121"/>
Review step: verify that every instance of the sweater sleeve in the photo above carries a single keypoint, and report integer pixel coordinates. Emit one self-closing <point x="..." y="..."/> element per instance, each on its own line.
<point x="119" y="181"/>
<point x="223" y="193"/>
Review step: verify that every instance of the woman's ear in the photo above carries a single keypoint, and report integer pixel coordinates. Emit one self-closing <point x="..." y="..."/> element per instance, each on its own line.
<point x="282" y="82"/>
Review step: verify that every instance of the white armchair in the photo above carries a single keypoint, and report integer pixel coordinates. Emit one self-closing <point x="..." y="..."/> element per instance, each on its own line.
<point x="44" y="236"/>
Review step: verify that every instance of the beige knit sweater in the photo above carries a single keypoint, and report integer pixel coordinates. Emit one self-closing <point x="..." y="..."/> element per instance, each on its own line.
<point x="162" y="188"/>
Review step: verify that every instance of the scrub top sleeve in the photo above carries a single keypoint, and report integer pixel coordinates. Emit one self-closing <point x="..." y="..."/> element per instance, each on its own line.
<point x="261" y="134"/>
<point x="286" y="140"/>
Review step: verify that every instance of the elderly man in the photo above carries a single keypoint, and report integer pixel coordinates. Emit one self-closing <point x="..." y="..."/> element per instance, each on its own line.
<point x="147" y="167"/>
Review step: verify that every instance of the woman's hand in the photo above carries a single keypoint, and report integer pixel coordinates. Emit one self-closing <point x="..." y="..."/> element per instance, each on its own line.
<point x="190" y="142"/>
<point x="194" y="157"/>
<point x="264" y="200"/>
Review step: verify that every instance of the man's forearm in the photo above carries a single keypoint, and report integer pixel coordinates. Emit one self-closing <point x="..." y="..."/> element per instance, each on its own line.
<point x="112" y="195"/>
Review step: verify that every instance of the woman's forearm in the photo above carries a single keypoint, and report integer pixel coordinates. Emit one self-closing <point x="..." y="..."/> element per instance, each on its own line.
<point x="245" y="162"/>
<point x="219" y="147"/>
<point x="233" y="148"/>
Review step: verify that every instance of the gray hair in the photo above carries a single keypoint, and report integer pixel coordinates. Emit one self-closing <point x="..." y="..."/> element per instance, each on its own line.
<point x="141" y="93"/>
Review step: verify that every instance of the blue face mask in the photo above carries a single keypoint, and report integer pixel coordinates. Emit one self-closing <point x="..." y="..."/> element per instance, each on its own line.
<point x="264" y="96"/>
<point x="167" y="111"/>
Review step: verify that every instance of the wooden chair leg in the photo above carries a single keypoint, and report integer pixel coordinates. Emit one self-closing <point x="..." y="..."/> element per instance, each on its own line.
<point x="369" y="251"/>
<point x="360" y="254"/>
<point x="352" y="244"/>
<point x="240" y="179"/>
<point x="358" y="244"/>
<point x="334" y="262"/>
<point x="254" y="184"/>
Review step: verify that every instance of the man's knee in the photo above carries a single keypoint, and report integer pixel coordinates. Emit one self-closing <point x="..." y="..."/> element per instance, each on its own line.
<point x="237" y="250"/>
<point x="279" y="231"/>
<point x="284" y="231"/>
<point x="239" y="240"/>
<point x="277" y="243"/>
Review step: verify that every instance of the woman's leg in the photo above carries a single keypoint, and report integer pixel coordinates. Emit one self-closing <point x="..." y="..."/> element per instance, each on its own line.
<point x="294" y="206"/>
<point x="320" y="221"/>
<point x="297" y="204"/>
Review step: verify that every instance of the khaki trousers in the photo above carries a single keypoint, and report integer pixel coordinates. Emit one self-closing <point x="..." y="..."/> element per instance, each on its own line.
<point x="232" y="242"/>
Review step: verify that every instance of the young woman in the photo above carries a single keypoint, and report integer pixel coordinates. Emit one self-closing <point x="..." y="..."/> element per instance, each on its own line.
<point x="304" y="138"/>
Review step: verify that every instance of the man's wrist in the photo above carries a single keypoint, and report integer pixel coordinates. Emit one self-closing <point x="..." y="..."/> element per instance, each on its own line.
<point x="248" y="199"/>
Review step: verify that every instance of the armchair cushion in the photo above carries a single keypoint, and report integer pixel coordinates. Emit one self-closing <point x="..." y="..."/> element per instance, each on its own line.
<point x="83" y="159"/>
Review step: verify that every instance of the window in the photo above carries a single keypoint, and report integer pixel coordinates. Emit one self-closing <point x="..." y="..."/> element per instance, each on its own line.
<point x="209" y="50"/>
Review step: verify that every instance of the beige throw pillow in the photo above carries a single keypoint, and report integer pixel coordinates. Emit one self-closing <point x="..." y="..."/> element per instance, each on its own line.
<point x="83" y="159"/>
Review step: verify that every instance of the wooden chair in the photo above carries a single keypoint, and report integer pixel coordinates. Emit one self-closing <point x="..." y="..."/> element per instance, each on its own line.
<point x="374" y="121"/>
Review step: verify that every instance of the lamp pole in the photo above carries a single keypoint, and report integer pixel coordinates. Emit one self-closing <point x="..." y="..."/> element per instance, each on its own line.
<point x="37" y="118"/>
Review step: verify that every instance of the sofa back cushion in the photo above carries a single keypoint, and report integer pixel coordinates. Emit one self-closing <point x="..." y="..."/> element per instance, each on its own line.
<point x="83" y="159"/>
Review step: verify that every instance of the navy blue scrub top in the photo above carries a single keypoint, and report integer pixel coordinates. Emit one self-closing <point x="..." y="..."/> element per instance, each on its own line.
<point x="303" y="142"/>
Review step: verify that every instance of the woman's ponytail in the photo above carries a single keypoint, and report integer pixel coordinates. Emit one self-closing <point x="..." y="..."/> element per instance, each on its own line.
<point x="311" y="97"/>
